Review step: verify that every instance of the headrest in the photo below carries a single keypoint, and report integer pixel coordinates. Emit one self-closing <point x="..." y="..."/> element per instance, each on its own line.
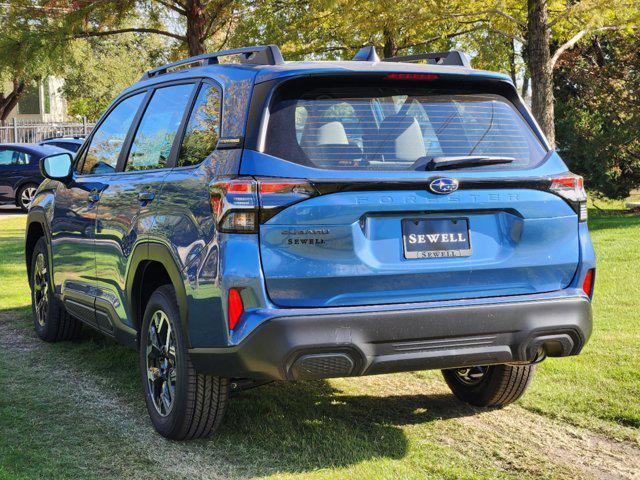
<point x="409" y="144"/>
<point x="332" y="133"/>
<point x="400" y="139"/>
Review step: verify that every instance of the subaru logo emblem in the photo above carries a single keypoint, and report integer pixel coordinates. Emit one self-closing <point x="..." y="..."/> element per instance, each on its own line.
<point x="443" y="185"/>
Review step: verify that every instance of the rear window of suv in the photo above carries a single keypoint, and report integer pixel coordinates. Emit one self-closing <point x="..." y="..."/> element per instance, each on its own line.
<point x="387" y="129"/>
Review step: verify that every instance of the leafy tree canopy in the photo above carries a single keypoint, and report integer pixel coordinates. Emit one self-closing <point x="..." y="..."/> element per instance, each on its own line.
<point x="598" y="112"/>
<point x="99" y="69"/>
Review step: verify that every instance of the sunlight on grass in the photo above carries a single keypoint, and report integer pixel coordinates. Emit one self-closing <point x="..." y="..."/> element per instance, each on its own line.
<point x="13" y="278"/>
<point x="600" y="388"/>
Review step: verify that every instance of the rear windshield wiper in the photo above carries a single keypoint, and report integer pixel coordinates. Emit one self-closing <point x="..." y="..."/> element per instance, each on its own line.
<point x="446" y="163"/>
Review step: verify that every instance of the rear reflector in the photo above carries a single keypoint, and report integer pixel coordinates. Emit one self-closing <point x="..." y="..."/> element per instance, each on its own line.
<point x="236" y="307"/>
<point x="587" y="285"/>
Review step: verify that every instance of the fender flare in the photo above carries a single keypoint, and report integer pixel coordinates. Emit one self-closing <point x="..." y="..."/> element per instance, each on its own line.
<point x="37" y="216"/>
<point x="158" y="252"/>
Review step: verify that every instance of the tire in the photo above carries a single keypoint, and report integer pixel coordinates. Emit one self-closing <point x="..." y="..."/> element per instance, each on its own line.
<point x="52" y="323"/>
<point x="492" y="386"/>
<point x="194" y="404"/>
<point x="25" y="196"/>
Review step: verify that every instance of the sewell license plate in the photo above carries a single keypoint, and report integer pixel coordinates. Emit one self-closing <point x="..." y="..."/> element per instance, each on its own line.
<point x="436" y="237"/>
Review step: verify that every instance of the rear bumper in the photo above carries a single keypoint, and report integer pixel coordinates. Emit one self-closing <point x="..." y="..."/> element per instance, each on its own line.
<point x="317" y="345"/>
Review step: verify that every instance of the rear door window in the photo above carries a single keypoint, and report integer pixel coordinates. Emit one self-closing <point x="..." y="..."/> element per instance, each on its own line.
<point x="157" y="131"/>
<point x="6" y="158"/>
<point x="203" y="129"/>
<point x="398" y="131"/>
<point x="14" y="157"/>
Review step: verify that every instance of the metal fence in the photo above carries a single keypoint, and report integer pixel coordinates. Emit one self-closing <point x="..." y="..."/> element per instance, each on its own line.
<point x="31" y="132"/>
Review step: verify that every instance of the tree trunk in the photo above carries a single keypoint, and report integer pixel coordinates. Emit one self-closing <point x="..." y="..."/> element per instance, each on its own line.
<point x="540" y="69"/>
<point x="390" y="48"/>
<point x="196" y="21"/>
<point x="8" y="102"/>
<point x="512" y="60"/>
<point x="525" y="84"/>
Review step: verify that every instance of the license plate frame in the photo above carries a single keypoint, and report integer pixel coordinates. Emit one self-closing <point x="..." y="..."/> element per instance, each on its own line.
<point x="434" y="237"/>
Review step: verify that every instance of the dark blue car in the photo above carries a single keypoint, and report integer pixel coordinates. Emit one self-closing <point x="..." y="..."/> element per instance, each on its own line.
<point x="20" y="172"/>
<point x="71" y="143"/>
<point x="240" y="223"/>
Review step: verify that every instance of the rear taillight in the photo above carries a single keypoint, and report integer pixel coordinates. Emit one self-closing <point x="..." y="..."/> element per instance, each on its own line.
<point x="235" y="307"/>
<point x="239" y="222"/>
<point x="275" y="195"/>
<point x="235" y="204"/>
<point x="240" y="204"/>
<point x="571" y="188"/>
<point x="588" y="282"/>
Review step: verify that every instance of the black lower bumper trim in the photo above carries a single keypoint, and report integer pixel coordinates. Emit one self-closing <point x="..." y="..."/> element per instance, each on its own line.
<point x="319" y="346"/>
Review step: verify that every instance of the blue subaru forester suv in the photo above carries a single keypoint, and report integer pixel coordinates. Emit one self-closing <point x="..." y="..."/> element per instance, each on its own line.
<point x="262" y="220"/>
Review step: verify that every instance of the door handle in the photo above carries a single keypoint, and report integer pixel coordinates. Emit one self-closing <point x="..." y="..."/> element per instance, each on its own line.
<point x="146" y="195"/>
<point x="94" y="196"/>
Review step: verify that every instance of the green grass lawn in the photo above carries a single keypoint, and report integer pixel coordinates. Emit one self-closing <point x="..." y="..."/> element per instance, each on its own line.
<point x="601" y="387"/>
<point x="75" y="409"/>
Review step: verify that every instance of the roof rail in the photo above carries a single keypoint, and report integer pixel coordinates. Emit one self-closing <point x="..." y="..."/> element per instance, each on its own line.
<point x="258" y="55"/>
<point x="454" y="57"/>
<point x="367" y="54"/>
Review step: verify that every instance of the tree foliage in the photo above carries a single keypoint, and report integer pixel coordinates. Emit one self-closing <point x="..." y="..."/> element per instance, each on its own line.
<point x="29" y="50"/>
<point x="191" y="23"/>
<point x="338" y="28"/>
<point x="598" y="114"/>
<point x="97" y="70"/>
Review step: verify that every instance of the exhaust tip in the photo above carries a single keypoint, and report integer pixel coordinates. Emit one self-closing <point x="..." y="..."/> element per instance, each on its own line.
<point x="556" y="345"/>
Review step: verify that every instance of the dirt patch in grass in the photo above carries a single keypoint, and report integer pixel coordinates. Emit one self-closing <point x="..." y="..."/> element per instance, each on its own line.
<point x="532" y="438"/>
<point x="584" y="450"/>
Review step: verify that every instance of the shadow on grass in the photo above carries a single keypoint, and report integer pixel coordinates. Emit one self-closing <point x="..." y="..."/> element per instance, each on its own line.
<point x="281" y="427"/>
<point x="8" y="212"/>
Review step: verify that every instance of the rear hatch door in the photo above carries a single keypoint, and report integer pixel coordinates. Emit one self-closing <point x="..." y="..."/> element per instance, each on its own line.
<point x="384" y="225"/>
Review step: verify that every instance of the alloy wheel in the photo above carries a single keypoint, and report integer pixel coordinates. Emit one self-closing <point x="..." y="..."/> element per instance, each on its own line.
<point x="41" y="289"/>
<point x="161" y="363"/>
<point x="27" y="197"/>
<point x="471" y="375"/>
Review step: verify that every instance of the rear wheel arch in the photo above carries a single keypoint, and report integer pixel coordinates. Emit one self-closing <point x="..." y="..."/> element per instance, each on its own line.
<point x="36" y="229"/>
<point x="152" y="266"/>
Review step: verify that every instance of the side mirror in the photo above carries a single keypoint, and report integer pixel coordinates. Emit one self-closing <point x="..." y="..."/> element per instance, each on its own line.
<point x="57" y="167"/>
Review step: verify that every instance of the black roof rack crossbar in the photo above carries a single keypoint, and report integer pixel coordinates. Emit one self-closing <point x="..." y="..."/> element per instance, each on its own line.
<point x="454" y="57"/>
<point x="258" y="55"/>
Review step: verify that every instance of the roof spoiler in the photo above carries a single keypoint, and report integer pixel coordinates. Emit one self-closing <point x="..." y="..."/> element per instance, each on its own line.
<point x="258" y="55"/>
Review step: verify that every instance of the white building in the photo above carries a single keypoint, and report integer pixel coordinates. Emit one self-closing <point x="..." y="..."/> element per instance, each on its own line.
<point x="41" y="103"/>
